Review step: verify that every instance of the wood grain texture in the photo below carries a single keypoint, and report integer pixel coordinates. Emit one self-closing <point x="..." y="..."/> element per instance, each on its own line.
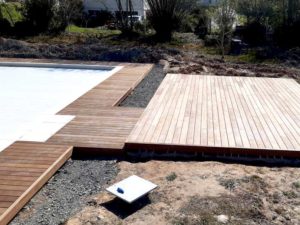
<point x="99" y="122"/>
<point x="231" y="114"/>
<point x="19" y="182"/>
<point x="99" y="125"/>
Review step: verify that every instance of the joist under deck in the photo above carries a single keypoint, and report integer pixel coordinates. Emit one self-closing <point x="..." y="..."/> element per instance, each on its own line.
<point x="216" y="115"/>
<point x="24" y="168"/>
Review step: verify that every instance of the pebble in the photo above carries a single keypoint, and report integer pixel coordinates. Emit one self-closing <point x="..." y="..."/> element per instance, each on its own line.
<point x="222" y="219"/>
<point x="66" y="198"/>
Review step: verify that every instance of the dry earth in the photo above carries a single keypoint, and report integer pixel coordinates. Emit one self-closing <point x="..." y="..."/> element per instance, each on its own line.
<point x="205" y="193"/>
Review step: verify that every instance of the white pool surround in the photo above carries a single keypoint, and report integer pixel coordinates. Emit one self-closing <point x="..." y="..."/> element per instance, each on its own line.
<point x="31" y="94"/>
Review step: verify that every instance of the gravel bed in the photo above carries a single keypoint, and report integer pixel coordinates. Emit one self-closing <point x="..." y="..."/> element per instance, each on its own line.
<point x="143" y="93"/>
<point x="67" y="192"/>
<point x="69" y="189"/>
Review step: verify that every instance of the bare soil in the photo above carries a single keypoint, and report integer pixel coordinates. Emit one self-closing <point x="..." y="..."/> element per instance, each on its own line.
<point x="199" y="192"/>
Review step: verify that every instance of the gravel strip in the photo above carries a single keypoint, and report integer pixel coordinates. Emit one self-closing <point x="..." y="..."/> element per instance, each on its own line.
<point x="142" y="94"/>
<point x="67" y="192"/>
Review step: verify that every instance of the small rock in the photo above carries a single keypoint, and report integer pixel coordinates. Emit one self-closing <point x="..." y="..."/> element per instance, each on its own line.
<point x="165" y="64"/>
<point x="205" y="69"/>
<point x="222" y="219"/>
<point x="2" y="41"/>
<point x="174" y="69"/>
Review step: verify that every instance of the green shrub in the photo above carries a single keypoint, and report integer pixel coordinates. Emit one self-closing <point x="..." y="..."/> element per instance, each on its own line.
<point x="39" y="14"/>
<point x="11" y="11"/>
<point x="172" y="176"/>
<point x="165" y="16"/>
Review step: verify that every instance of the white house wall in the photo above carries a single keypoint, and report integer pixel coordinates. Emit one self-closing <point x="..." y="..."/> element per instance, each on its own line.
<point x="111" y="5"/>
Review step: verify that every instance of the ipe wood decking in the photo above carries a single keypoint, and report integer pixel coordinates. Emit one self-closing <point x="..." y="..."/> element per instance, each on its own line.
<point x="220" y="115"/>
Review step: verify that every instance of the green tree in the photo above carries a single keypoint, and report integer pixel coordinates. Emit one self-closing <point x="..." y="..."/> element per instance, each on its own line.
<point x="256" y="10"/>
<point x="69" y="10"/>
<point x="165" y="16"/>
<point x="225" y="16"/>
<point x="124" y="16"/>
<point x="39" y="14"/>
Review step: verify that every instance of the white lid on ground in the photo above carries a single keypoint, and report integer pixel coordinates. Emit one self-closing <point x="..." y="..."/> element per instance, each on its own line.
<point x="132" y="187"/>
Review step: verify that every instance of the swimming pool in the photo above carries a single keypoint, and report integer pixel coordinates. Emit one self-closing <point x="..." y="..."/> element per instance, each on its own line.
<point x="32" y="94"/>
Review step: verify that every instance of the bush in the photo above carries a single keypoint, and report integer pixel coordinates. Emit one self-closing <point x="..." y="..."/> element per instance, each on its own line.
<point x="5" y="27"/>
<point x="254" y="34"/>
<point x="166" y="16"/>
<point x="99" y="18"/>
<point x="288" y="36"/>
<point x="11" y="11"/>
<point x="203" y="22"/>
<point x="211" y="40"/>
<point x="39" y="14"/>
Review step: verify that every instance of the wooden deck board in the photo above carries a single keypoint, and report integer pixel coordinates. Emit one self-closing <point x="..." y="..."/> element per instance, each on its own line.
<point x="20" y="180"/>
<point x="221" y="115"/>
<point x="99" y="125"/>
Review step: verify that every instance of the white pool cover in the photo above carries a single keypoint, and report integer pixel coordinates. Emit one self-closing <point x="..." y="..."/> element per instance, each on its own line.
<point x="31" y="96"/>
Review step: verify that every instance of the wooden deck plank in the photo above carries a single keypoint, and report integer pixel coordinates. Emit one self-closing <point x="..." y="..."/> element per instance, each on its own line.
<point x="200" y="96"/>
<point x="165" y="112"/>
<point x="248" y="116"/>
<point x="230" y="129"/>
<point x="279" y="116"/>
<point x="215" y="115"/>
<point x="99" y="124"/>
<point x="267" y="117"/>
<point x="220" y="115"/>
<point x="183" y="110"/>
<point x="192" y="120"/>
<point x="169" y="117"/>
<point x="222" y="121"/>
<point x="245" y="132"/>
<point x="178" y="106"/>
<point x="19" y="180"/>
<point x="291" y="119"/>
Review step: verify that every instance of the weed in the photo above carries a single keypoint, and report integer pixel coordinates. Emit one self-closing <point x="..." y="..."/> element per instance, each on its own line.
<point x="171" y="177"/>
<point x="290" y="194"/>
<point x="229" y="184"/>
<point x="296" y="184"/>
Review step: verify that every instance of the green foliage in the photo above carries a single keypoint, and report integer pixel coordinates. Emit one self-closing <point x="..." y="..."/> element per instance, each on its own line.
<point x="280" y="17"/>
<point x="165" y="16"/>
<point x="290" y="194"/>
<point x="296" y="184"/>
<point x="68" y="11"/>
<point x="225" y="16"/>
<point x="258" y="11"/>
<point x="11" y="12"/>
<point x="92" y="32"/>
<point x="39" y="13"/>
<point x="171" y="177"/>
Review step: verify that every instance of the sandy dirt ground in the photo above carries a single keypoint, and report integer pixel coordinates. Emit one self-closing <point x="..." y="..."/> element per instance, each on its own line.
<point x="203" y="193"/>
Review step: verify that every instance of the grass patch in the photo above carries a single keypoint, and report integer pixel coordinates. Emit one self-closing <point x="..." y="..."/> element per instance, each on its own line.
<point x="296" y="184"/>
<point x="229" y="184"/>
<point x="74" y="35"/>
<point x="95" y="32"/>
<point x="171" y="177"/>
<point x="290" y="194"/>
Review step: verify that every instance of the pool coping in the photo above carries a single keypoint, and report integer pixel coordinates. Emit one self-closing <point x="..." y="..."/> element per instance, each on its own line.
<point x="124" y="75"/>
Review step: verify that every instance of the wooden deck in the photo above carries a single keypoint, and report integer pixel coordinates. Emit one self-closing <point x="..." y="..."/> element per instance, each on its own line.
<point x="99" y="127"/>
<point x="25" y="167"/>
<point x="221" y="116"/>
<point x="102" y="134"/>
